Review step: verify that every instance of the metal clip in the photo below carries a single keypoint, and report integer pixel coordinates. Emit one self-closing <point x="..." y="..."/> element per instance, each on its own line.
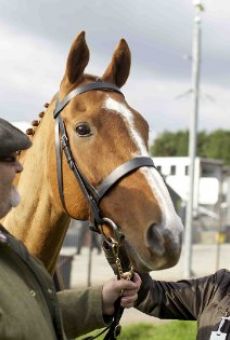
<point x="117" y="330"/>
<point x="117" y="235"/>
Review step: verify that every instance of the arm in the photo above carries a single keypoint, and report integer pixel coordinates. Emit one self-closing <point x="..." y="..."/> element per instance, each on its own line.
<point x="81" y="310"/>
<point x="184" y="300"/>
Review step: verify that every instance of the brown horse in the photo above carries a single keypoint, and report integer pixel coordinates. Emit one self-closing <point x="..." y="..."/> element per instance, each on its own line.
<point x="104" y="132"/>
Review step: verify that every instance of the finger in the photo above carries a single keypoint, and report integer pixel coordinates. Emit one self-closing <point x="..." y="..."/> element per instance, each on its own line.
<point x="128" y="302"/>
<point x="131" y="285"/>
<point x="129" y="299"/>
<point x="124" y="284"/>
<point x="137" y="280"/>
<point x="134" y="284"/>
<point x="129" y="292"/>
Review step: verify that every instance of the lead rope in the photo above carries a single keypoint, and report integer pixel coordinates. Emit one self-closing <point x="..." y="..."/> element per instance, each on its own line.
<point x="114" y="329"/>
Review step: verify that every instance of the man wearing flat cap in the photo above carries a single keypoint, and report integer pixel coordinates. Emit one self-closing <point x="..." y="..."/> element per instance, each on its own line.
<point x="29" y="305"/>
<point x="11" y="141"/>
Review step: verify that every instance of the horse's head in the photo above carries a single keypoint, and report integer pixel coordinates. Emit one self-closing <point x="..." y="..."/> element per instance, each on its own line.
<point x="105" y="132"/>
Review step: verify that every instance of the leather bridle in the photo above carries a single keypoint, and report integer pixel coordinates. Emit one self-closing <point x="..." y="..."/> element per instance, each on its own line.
<point x="92" y="194"/>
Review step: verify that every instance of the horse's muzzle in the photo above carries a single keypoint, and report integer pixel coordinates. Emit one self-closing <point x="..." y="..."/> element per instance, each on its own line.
<point x="163" y="244"/>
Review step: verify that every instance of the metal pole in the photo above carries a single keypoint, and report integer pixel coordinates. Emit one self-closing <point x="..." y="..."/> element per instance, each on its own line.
<point x="193" y="135"/>
<point x="220" y="222"/>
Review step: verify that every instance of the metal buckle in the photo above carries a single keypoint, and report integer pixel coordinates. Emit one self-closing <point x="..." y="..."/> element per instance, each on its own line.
<point x="64" y="141"/>
<point x="117" y="235"/>
<point x="117" y="330"/>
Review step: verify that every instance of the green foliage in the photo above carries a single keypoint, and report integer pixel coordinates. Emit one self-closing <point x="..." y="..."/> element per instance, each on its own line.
<point x="218" y="145"/>
<point x="171" y="144"/>
<point x="173" y="330"/>
<point x="214" y="145"/>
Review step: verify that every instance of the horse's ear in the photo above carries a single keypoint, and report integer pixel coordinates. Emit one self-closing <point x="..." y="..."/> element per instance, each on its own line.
<point x="118" y="70"/>
<point x="77" y="60"/>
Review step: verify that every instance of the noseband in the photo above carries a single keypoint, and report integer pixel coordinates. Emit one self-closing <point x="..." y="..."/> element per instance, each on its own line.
<point x="94" y="195"/>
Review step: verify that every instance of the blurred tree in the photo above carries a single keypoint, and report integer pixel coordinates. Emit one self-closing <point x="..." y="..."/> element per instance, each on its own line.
<point x="171" y="144"/>
<point x="215" y="144"/>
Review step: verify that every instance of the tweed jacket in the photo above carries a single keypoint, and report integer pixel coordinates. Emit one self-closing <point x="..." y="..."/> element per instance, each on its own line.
<point x="205" y="299"/>
<point x="29" y="305"/>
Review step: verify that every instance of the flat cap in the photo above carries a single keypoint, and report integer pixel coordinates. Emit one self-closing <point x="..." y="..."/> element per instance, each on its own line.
<point x="11" y="139"/>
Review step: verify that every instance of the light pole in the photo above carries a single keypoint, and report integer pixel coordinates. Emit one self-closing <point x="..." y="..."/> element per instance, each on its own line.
<point x="196" y="51"/>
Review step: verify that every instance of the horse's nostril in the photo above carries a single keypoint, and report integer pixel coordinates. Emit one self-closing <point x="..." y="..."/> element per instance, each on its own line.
<point x="156" y="240"/>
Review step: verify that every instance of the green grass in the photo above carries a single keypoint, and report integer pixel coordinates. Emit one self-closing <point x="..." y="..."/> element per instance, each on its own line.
<point x="173" y="330"/>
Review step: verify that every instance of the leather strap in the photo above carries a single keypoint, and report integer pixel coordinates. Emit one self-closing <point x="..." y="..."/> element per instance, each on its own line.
<point x="58" y="150"/>
<point x="98" y="85"/>
<point x="120" y="172"/>
<point x="62" y="144"/>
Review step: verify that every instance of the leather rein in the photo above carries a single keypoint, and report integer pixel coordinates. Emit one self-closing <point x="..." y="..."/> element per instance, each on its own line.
<point x="93" y="194"/>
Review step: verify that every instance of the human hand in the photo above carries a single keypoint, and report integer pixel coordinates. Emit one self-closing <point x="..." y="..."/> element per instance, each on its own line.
<point x="125" y="289"/>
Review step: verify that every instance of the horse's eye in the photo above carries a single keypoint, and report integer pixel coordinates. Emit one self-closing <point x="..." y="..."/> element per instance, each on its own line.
<point x="83" y="130"/>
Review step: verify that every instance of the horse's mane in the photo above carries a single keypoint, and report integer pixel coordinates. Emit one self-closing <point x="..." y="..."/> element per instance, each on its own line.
<point x="30" y="132"/>
<point x="35" y="123"/>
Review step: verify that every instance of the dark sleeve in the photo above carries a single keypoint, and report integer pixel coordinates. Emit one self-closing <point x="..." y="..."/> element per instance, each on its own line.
<point x="183" y="300"/>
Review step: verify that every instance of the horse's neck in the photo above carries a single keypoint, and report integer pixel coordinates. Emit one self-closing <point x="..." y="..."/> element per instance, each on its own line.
<point x="37" y="221"/>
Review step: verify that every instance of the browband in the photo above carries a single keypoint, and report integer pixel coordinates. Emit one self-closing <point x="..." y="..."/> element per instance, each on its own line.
<point x="97" y="85"/>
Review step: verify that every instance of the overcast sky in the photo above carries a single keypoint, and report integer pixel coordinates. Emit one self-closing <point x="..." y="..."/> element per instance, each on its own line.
<point x="36" y="36"/>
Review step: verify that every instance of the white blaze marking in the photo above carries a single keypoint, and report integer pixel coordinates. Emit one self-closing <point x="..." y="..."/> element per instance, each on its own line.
<point x="169" y="217"/>
<point x="127" y="116"/>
